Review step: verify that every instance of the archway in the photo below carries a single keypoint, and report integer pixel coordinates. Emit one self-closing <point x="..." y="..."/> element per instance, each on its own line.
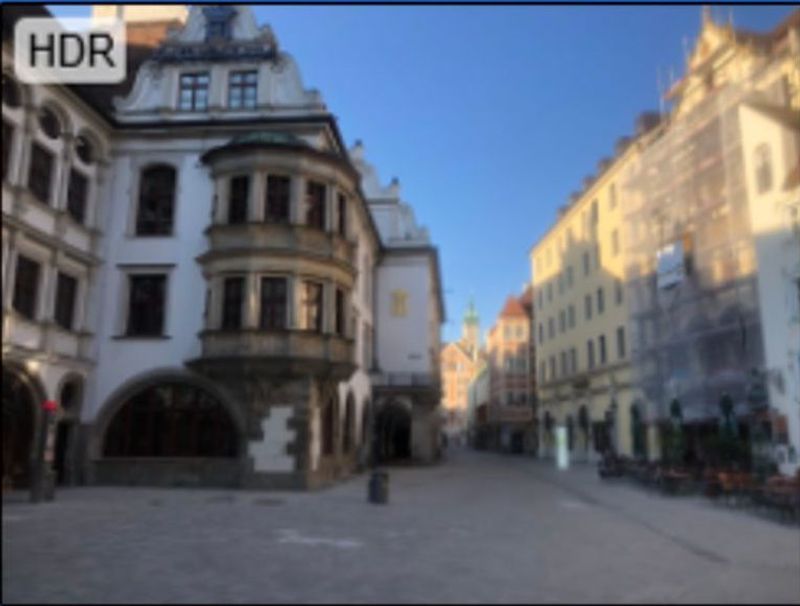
<point x="19" y="429"/>
<point x="171" y="419"/>
<point x="393" y="432"/>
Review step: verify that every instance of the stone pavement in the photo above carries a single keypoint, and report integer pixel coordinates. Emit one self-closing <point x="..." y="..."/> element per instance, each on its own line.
<point x="478" y="528"/>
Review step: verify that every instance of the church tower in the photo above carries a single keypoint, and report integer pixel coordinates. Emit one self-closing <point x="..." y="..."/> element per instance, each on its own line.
<point x="470" y="330"/>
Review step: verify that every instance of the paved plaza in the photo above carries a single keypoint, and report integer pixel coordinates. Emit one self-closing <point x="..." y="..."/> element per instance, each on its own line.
<point x="477" y="528"/>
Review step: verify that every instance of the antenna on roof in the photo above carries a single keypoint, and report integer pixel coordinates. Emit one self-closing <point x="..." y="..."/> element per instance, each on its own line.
<point x="660" y="87"/>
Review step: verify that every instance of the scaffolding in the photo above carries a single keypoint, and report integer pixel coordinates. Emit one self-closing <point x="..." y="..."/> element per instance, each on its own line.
<point x="690" y="264"/>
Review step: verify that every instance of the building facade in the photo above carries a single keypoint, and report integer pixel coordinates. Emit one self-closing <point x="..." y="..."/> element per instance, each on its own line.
<point x="409" y="311"/>
<point x="710" y="254"/>
<point x="189" y="264"/>
<point x="509" y="424"/>
<point x="459" y="364"/>
<point x="581" y="329"/>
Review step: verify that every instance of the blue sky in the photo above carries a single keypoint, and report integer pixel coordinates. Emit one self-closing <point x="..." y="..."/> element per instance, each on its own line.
<point x="489" y="116"/>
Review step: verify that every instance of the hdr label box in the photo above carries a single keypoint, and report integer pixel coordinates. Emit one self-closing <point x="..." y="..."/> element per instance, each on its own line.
<point x="70" y="51"/>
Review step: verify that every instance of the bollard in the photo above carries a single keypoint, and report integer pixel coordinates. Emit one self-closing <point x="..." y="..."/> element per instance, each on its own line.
<point x="378" y="488"/>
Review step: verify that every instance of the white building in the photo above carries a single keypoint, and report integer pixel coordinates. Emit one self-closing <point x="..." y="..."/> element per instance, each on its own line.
<point x="188" y="268"/>
<point x="771" y="151"/>
<point x="409" y="311"/>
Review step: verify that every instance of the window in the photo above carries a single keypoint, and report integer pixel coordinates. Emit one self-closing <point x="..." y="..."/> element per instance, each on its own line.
<point x="569" y="276"/>
<point x="551" y="328"/>
<point x="618" y="291"/>
<point x="549" y="292"/>
<point x="588" y="307"/>
<point x="76" y="195"/>
<point x="340" y="312"/>
<point x="552" y="367"/>
<point x="193" y="94"/>
<point x="597" y="255"/>
<point x="342" y="212"/>
<point x="614" y="243"/>
<point x="763" y="162"/>
<point x="621" y="342"/>
<point x="278" y="199"/>
<point x="273" y="303"/>
<point x="601" y="345"/>
<point x="156" y="201"/>
<point x="8" y="138"/>
<point x="66" y="293"/>
<point x="560" y="284"/>
<point x="146" y="305"/>
<point x="564" y="369"/>
<point x="49" y="123"/>
<point x="562" y="321"/>
<point x="315" y="205"/>
<point x="242" y="88"/>
<point x="237" y="199"/>
<point x="573" y="360"/>
<point x="541" y="333"/>
<point x="542" y="371"/>
<point x="171" y="420"/>
<point x="232" y="303"/>
<point x="312" y="306"/>
<point x="601" y="304"/>
<point x="590" y="354"/>
<point x="612" y="196"/>
<point x="84" y="149"/>
<point x="26" y="287"/>
<point x="586" y="265"/>
<point x="595" y="214"/>
<point x="40" y="173"/>
<point x="571" y="316"/>
<point x="507" y="332"/>
<point x="399" y="303"/>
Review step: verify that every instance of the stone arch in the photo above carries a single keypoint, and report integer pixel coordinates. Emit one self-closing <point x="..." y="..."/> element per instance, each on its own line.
<point x="393" y="430"/>
<point x="23" y="394"/>
<point x="153" y="378"/>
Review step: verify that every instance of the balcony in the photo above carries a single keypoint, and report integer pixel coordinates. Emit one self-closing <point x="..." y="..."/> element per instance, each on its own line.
<point x="278" y="351"/>
<point x="280" y="239"/>
<point x="425" y="388"/>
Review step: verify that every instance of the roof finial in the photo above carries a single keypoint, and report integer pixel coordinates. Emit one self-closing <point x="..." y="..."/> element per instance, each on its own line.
<point x="706" y="14"/>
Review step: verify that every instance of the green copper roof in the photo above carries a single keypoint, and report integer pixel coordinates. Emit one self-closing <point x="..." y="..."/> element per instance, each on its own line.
<point x="267" y="137"/>
<point x="471" y="315"/>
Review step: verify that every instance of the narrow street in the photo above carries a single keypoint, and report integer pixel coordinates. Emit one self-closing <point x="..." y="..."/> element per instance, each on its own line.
<point x="480" y="527"/>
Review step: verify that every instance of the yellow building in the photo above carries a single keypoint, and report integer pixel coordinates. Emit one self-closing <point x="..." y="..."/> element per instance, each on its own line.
<point x="584" y="379"/>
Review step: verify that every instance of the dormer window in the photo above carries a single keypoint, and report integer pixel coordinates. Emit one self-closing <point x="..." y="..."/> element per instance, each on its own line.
<point x="218" y="22"/>
<point x="242" y="88"/>
<point x="193" y="92"/>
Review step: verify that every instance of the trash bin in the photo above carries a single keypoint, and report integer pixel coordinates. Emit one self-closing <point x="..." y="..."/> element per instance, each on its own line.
<point x="378" y="491"/>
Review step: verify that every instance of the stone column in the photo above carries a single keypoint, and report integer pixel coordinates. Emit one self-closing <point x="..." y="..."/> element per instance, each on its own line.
<point x="296" y="205"/>
<point x="258" y="196"/>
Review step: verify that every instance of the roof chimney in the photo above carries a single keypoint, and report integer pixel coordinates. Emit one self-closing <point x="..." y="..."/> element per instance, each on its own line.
<point x="646" y="122"/>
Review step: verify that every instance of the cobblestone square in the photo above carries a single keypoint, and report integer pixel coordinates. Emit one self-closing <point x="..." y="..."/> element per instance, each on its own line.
<point x="478" y="528"/>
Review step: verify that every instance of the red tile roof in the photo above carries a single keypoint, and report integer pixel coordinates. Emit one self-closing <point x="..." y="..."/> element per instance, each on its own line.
<point x="513" y="308"/>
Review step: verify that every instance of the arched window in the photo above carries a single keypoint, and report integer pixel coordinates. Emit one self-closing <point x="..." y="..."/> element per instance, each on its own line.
<point x="349" y="422"/>
<point x="763" y="162"/>
<point x="329" y="416"/>
<point x="84" y="149"/>
<point x="11" y="93"/>
<point x="69" y="395"/>
<point x="49" y="123"/>
<point x="171" y="420"/>
<point x="156" y="201"/>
